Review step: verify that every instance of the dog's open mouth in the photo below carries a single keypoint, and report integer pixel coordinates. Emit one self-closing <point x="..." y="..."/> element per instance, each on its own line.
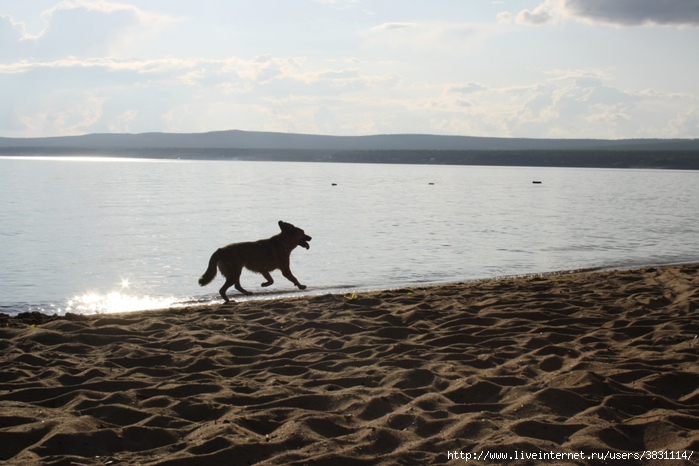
<point x="304" y="242"/>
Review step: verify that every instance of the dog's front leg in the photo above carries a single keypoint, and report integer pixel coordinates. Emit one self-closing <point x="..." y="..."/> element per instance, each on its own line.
<point x="290" y="276"/>
<point x="268" y="277"/>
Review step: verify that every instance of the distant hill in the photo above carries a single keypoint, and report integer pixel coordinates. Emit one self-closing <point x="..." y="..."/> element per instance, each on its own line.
<point x="395" y="148"/>
<point x="288" y="141"/>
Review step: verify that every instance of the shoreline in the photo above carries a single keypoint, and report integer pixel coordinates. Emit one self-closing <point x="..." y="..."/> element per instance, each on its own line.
<point x="564" y="362"/>
<point x="292" y="293"/>
<point x="630" y="158"/>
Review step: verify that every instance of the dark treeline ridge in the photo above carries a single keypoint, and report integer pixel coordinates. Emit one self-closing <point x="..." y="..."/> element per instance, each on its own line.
<point x="682" y="160"/>
<point x="655" y="159"/>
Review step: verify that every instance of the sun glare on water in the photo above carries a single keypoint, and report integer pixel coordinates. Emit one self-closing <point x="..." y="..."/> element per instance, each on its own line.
<point x="88" y="158"/>
<point x="93" y="303"/>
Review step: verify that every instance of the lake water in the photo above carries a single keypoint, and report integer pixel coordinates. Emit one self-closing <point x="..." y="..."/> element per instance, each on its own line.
<point x="89" y="235"/>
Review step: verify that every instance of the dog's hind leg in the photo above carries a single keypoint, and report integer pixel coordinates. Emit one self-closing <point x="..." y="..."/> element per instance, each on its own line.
<point x="233" y="272"/>
<point x="240" y="288"/>
<point x="229" y="282"/>
<point x="290" y="276"/>
<point x="268" y="277"/>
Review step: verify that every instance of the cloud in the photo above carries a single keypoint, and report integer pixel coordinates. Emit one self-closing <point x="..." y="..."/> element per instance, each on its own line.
<point x="174" y="94"/>
<point x="589" y="73"/>
<point x="635" y="12"/>
<point x="389" y="26"/>
<point x="160" y="65"/>
<point x="504" y="17"/>
<point x="78" y="29"/>
<point x="541" y="15"/>
<point x="573" y="104"/>
<point x="10" y="31"/>
<point x="121" y="123"/>
<point x="468" y="88"/>
<point x="686" y="124"/>
<point x="580" y="107"/>
<point x="403" y="40"/>
<point x="77" y="76"/>
<point x="336" y="2"/>
<point x="13" y="38"/>
<point x="296" y="94"/>
<point x="107" y="8"/>
<point x="72" y="111"/>
<point x="678" y="13"/>
<point x="233" y="74"/>
<point x="339" y="4"/>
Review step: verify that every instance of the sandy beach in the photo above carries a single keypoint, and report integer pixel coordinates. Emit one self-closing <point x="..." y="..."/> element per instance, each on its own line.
<point x="506" y="371"/>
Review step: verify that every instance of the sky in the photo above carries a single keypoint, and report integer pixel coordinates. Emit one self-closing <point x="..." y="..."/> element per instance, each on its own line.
<point x="608" y="69"/>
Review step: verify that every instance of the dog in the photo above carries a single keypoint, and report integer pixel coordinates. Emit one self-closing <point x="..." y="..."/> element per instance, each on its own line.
<point x="262" y="256"/>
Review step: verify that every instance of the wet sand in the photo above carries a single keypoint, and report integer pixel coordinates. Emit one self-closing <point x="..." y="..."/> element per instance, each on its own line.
<point x="580" y="362"/>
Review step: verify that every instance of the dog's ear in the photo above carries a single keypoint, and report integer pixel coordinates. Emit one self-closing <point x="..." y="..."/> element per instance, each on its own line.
<point x="286" y="226"/>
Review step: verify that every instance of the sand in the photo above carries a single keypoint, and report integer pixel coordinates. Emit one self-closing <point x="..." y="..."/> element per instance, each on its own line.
<point x="578" y="363"/>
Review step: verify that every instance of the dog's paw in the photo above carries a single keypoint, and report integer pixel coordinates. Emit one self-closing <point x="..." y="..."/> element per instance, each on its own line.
<point x="266" y="284"/>
<point x="302" y="287"/>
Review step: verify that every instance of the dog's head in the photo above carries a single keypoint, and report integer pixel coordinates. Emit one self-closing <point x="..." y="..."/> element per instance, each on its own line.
<point x="300" y="237"/>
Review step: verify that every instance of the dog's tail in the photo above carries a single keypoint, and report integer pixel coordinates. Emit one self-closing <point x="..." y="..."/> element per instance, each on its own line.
<point x="210" y="273"/>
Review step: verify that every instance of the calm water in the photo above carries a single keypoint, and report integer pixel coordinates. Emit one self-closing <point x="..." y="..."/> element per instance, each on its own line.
<point x="100" y="235"/>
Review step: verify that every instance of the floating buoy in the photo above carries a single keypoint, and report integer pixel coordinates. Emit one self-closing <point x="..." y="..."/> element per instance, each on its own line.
<point x="334" y="184"/>
<point x="431" y="183"/>
<point x="536" y="182"/>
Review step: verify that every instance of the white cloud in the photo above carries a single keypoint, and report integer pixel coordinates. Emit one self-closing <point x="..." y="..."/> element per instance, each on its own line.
<point x="131" y="95"/>
<point x="78" y="29"/>
<point x="300" y="94"/>
<point x="106" y="8"/>
<point x="13" y="39"/>
<point x="294" y="94"/>
<point x="504" y="17"/>
<point x="10" y="31"/>
<point x="433" y="38"/>
<point x="592" y="73"/>
<point x="340" y="4"/>
<point x="686" y="124"/>
<point x="121" y="123"/>
<point x="71" y="112"/>
<point x="389" y="26"/>
<point x="337" y="2"/>
<point x="85" y="72"/>
<point x="468" y="88"/>
<point x="542" y="14"/>
<point x="581" y="107"/>
<point x="610" y="114"/>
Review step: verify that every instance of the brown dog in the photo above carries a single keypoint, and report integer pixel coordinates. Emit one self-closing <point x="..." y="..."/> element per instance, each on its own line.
<point x="260" y="256"/>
